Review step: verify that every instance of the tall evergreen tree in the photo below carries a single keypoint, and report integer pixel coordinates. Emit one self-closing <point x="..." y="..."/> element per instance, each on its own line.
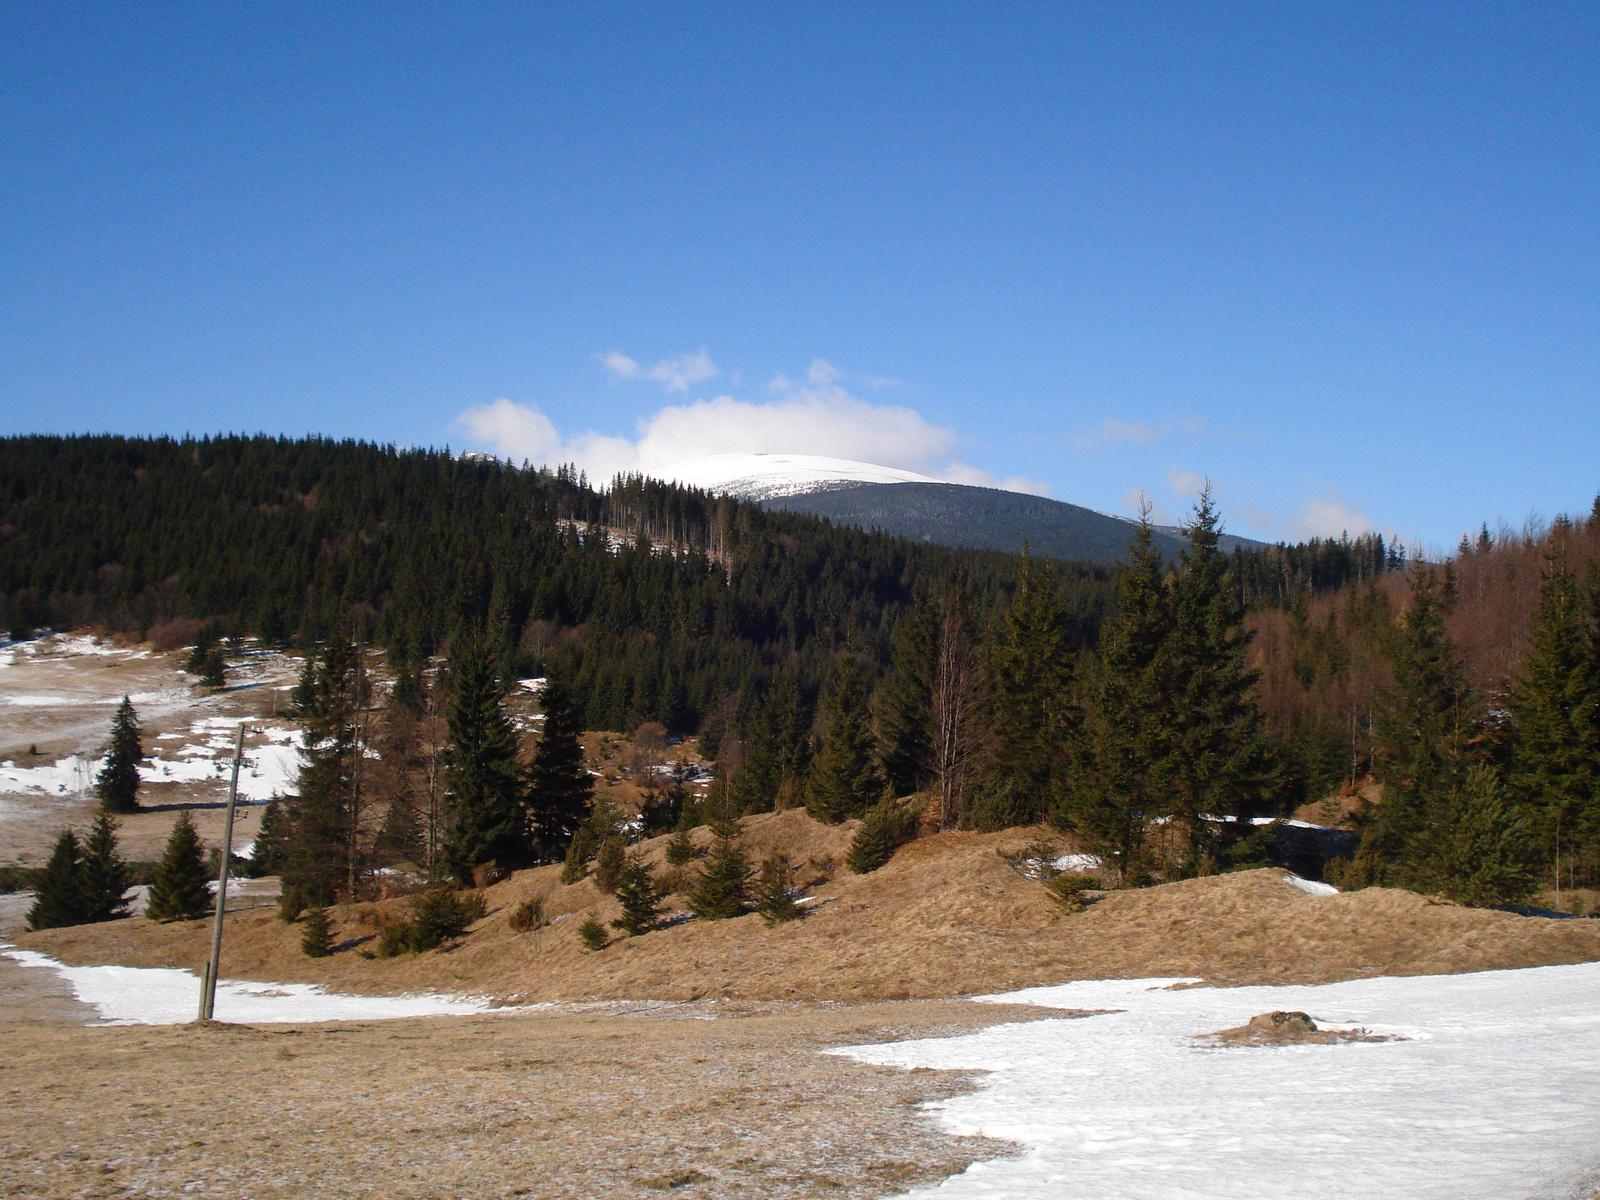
<point x="181" y="888"/>
<point x="776" y="753"/>
<point x="1217" y="760"/>
<point x="1488" y="849"/>
<point x="1118" y="788"/>
<point x="844" y="779"/>
<point x="1031" y="717"/>
<point x="483" y="790"/>
<point x="59" y="898"/>
<point x="1424" y="725"/>
<point x="323" y="846"/>
<point x="105" y="874"/>
<point x="1555" y="707"/>
<point x="903" y="701"/>
<point x="559" y="786"/>
<point x="117" y="785"/>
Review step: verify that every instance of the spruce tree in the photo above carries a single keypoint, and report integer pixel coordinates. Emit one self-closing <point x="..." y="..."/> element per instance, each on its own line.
<point x="904" y="699"/>
<point x="316" y="936"/>
<point x="117" y="785"/>
<point x="214" y="668"/>
<point x="610" y="861"/>
<point x="639" y="896"/>
<point x="271" y="849"/>
<point x="559" y="786"/>
<point x="1130" y="696"/>
<point x="483" y="788"/>
<point x="720" y="890"/>
<point x="1488" y="850"/>
<point x="1425" y="723"/>
<point x="593" y="934"/>
<point x="181" y="889"/>
<point x="1217" y="761"/>
<point x="1555" y="706"/>
<point x="680" y="847"/>
<point x="59" y="896"/>
<point x="1031" y="714"/>
<point x="774" y="898"/>
<point x="776" y="752"/>
<point x="844" y="779"/>
<point x="884" y="829"/>
<point x="322" y="835"/>
<point x="105" y="874"/>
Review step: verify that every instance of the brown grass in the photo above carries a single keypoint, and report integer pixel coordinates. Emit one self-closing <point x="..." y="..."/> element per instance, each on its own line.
<point x="946" y="917"/>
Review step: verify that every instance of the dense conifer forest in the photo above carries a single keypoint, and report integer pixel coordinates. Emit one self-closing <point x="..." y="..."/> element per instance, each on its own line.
<point x="1159" y="711"/>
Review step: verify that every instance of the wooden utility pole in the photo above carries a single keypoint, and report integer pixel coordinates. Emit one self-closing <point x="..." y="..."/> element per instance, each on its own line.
<point x="208" y="985"/>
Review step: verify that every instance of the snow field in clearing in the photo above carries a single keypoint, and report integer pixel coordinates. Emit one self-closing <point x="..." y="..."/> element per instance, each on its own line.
<point x="1495" y="1094"/>
<point x="167" y="996"/>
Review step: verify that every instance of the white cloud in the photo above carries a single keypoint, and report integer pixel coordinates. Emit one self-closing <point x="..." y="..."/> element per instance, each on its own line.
<point x="1112" y="432"/>
<point x="816" y="417"/>
<point x="675" y="374"/>
<point x="679" y="374"/>
<point x="1186" y="485"/>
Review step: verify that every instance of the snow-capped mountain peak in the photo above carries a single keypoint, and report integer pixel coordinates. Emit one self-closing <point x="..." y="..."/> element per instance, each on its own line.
<point x="765" y="476"/>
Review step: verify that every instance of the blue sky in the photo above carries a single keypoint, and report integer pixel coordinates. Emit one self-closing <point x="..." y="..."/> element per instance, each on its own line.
<point x="1343" y="260"/>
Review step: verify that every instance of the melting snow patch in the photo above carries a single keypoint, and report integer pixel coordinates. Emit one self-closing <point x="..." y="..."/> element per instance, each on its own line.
<point x="165" y="996"/>
<point x="1311" y="887"/>
<point x="1490" y="1096"/>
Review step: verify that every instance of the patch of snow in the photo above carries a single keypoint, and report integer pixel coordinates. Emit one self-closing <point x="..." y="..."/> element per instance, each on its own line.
<point x="1488" y="1097"/>
<point x="533" y="685"/>
<point x="167" y="996"/>
<point x="1078" y="862"/>
<point x="764" y="476"/>
<point x="1311" y="887"/>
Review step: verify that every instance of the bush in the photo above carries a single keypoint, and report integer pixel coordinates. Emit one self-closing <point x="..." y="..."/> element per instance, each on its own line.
<point x="527" y="916"/>
<point x="474" y="906"/>
<point x="884" y="829"/>
<point x="316" y="940"/>
<point x="593" y="934"/>
<point x="394" y="939"/>
<point x="438" y="915"/>
<point x="1067" y="891"/>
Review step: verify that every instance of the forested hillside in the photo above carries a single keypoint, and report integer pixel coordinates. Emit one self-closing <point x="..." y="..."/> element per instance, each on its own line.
<point x="656" y="601"/>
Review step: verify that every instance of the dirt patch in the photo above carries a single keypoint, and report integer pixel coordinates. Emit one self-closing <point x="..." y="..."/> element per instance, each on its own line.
<point x="1287" y="1029"/>
<point x="554" y="1105"/>
<point x="948" y="916"/>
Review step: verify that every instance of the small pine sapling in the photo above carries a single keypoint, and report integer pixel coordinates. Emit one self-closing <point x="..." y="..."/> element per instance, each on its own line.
<point x="774" y="897"/>
<point x="720" y="890"/>
<point x="1067" y="891"/>
<point x="883" y="830"/>
<point x="438" y="915"/>
<point x="680" y="849"/>
<point x="316" y="938"/>
<point x="593" y="934"/>
<point x="576" y="865"/>
<point x="181" y="888"/>
<point x="609" y="863"/>
<point x="639" y="896"/>
<point x="117" y="785"/>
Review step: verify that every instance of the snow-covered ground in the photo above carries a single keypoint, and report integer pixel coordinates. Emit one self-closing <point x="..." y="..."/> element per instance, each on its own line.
<point x="166" y="996"/>
<point x="764" y="476"/>
<point x="1495" y="1092"/>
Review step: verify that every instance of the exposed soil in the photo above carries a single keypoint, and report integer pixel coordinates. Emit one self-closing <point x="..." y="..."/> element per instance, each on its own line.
<point x="549" y="1105"/>
<point x="1287" y="1029"/>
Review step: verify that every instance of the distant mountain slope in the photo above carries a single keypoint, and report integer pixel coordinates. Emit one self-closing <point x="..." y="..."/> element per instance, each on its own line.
<point x="952" y="514"/>
<point x="764" y="476"/>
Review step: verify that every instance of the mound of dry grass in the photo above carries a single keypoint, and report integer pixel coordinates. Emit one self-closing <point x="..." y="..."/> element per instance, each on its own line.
<point x="947" y="916"/>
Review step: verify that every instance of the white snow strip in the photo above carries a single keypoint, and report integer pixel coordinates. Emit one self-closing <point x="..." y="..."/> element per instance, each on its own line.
<point x="1311" y="887"/>
<point x="166" y="996"/>
<point x="1495" y="1094"/>
<point x="1077" y="862"/>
